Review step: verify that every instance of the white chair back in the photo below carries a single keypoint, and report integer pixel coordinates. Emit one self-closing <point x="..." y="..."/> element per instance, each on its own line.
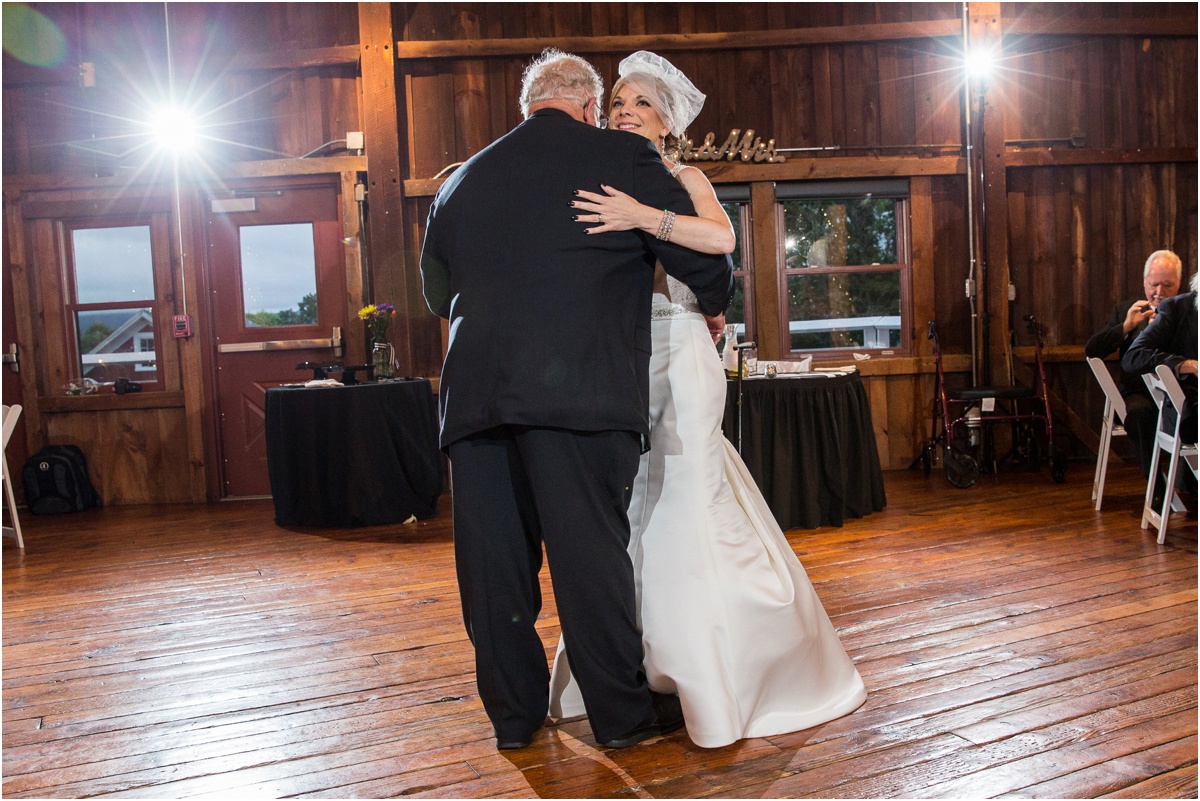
<point x="1114" y="411"/>
<point x="1174" y="392"/>
<point x="11" y="415"/>
<point x="1166" y="391"/>
<point x="1112" y="395"/>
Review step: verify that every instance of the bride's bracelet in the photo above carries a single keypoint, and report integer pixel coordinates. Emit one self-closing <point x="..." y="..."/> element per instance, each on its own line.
<point x="666" y="225"/>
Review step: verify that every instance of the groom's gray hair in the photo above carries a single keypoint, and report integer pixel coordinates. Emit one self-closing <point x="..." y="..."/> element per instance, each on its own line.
<point x="556" y="74"/>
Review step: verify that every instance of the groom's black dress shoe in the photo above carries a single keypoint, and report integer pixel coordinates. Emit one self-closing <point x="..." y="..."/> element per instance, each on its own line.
<point x="513" y="744"/>
<point x="666" y="718"/>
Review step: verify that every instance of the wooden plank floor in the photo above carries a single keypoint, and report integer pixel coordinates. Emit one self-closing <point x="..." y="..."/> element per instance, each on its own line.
<point x="1013" y="642"/>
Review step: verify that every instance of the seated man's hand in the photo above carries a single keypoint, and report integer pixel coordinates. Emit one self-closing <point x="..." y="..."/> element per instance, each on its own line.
<point x="1139" y="311"/>
<point x="1188" y="367"/>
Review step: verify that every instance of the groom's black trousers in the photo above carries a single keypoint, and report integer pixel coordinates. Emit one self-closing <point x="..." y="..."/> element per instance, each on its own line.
<point x="515" y="487"/>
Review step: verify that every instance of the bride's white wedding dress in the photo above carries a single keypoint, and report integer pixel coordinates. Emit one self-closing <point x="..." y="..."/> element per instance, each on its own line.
<point x="729" y="618"/>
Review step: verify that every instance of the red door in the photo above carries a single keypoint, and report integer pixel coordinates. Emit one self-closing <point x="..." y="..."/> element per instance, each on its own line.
<point x="278" y="298"/>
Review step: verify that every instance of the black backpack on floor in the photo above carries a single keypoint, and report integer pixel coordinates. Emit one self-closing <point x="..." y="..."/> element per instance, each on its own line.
<point x="56" y="481"/>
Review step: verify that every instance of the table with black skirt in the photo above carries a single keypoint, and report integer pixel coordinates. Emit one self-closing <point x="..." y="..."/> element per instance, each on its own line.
<point x="357" y="455"/>
<point x="810" y="446"/>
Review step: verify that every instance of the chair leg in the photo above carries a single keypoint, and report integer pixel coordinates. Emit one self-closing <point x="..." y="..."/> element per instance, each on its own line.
<point x="1168" y="495"/>
<point x="12" y="509"/>
<point x="1148" y="512"/>
<point x="1101" y="465"/>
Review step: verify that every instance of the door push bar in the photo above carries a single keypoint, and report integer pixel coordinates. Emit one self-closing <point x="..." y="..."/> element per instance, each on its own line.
<point x="334" y="342"/>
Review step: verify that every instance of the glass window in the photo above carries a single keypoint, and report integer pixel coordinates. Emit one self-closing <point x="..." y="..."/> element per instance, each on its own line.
<point x="112" y="288"/>
<point x="279" y="274"/>
<point x="741" y="308"/>
<point x="846" y="272"/>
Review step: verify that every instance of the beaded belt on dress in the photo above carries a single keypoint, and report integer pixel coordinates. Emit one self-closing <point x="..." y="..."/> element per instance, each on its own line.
<point x="662" y="311"/>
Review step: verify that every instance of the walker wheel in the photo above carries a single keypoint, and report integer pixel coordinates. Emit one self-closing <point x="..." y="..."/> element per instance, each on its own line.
<point x="962" y="470"/>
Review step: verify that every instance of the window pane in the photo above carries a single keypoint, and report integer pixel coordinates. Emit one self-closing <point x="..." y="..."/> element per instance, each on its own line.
<point x="117" y="343"/>
<point x="736" y="313"/>
<point x="734" y="210"/>
<point x="113" y="265"/>
<point x="279" y="274"/>
<point x="838" y="233"/>
<point x="852" y="310"/>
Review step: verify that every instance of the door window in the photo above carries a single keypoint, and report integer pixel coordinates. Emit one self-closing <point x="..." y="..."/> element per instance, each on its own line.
<point x="279" y="275"/>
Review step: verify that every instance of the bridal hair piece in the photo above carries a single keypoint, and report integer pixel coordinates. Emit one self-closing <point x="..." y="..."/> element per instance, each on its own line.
<point x="673" y="96"/>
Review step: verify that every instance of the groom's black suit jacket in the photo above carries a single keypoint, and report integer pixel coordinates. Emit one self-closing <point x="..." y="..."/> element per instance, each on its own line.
<point x="550" y="325"/>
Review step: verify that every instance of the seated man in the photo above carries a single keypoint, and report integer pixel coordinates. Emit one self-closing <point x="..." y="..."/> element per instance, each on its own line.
<point x="1171" y="340"/>
<point x="1161" y="278"/>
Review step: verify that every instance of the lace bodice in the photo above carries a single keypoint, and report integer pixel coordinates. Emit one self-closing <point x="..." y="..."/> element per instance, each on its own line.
<point x="681" y="294"/>
<point x="681" y="301"/>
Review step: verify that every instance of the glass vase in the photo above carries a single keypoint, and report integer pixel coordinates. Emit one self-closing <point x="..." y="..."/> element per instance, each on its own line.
<point x="383" y="358"/>
<point x="729" y="354"/>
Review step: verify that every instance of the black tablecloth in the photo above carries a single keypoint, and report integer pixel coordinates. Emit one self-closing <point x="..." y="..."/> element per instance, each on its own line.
<point x="810" y="445"/>
<point x="360" y="455"/>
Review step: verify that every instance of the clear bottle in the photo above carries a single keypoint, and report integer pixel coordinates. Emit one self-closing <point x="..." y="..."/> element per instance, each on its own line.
<point x="729" y="356"/>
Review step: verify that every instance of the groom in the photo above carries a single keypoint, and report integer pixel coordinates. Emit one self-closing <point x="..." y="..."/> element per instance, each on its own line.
<point x="544" y="398"/>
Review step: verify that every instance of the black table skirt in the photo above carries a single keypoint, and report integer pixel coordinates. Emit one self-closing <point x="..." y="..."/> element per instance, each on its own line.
<point x="810" y="445"/>
<point x="360" y="455"/>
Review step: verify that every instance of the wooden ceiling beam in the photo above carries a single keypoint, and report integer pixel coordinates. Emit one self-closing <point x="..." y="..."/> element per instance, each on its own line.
<point x="792" y="37"/>
<point x="737" y="40"/>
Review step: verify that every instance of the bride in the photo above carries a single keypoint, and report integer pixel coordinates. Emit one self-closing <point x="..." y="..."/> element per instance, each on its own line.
<point x="729" y="619"/>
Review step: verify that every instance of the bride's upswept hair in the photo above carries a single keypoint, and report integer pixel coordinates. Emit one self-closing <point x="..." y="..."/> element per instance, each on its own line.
<point x="558" y="74"/>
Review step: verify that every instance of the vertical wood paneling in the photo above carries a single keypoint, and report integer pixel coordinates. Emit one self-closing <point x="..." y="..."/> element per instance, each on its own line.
<point x="1078" y="327"/>
<point x="24" y="296"/>
<point x="923" y="281"/>
<point x="48" y="284"/>
<point x="823" y="97"/>
<point x="1126" y="83"/>
<point x="1061" y="298"/>
<point x="877" y="397"/>
<point x="191" y="349"/>
<point x="951" y="264"/>
<point x="133" y="454"/>
<point x="166" y="345"/>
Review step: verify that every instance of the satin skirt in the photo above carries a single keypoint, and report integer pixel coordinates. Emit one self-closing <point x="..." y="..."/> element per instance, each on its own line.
<point x="729" y="619"/>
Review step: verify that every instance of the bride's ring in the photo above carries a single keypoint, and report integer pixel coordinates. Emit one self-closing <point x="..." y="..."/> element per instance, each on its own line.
<point x="599" y="218"/>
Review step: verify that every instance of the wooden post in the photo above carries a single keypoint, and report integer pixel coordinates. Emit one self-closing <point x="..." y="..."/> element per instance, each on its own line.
<point x="386" y="257"/>
<point x="770" y="288"/>
<point x="984" y="21"/>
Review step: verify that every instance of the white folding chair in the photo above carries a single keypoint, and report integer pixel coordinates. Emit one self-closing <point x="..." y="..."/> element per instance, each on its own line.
<point x="1165" y="390"/>
<point x="11" y="413"/>
<point x="1112" y="426"/>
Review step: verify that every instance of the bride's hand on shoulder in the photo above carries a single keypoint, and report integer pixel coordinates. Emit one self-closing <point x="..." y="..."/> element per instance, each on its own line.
<point x="612" y="211"/>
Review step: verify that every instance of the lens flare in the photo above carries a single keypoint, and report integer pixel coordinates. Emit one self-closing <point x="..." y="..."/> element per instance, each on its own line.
<point x="980" y="62"/>
<point x="32" y="37"/>
<point x="174" y="129"/>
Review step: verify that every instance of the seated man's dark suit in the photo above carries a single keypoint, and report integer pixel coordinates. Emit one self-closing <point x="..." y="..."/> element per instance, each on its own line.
<point x="1140" y="412"/>
<point x="1170" y="339"/>
<point x="544" y="404"/>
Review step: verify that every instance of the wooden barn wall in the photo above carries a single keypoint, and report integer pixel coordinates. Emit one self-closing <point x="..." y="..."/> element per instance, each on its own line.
<point x="867" y="80"/>
<point x="1069" y="259"/>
